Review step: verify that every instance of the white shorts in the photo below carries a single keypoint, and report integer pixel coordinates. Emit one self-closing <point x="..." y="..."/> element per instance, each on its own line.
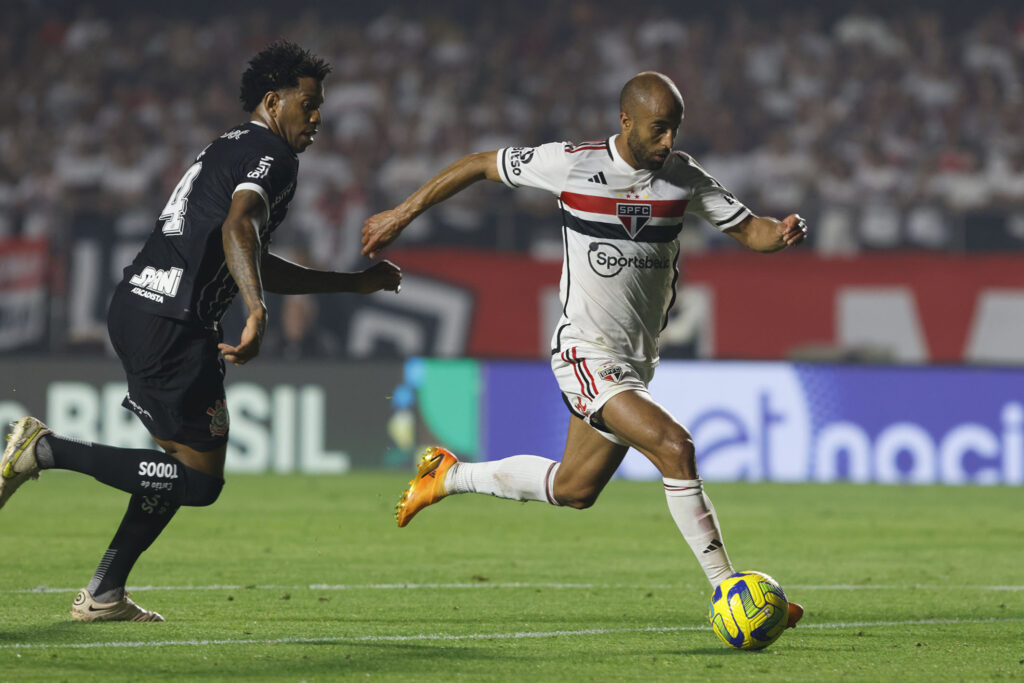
<point x="588" y="377"/>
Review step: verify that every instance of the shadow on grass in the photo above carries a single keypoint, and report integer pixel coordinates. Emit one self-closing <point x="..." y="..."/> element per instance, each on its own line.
<point x="278" y="662"/>
<point x="56" y="634"/>
<point x="715" y="651"/>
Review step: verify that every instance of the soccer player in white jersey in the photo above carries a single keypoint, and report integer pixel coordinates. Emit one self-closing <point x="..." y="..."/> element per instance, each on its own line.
<point x="623" y="201"/>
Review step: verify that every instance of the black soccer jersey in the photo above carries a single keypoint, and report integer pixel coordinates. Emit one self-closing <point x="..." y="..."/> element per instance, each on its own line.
<point x="181" y="271"/>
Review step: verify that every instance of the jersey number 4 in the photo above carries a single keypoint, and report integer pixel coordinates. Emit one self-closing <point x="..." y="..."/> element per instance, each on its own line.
<point x="173" y="214"/>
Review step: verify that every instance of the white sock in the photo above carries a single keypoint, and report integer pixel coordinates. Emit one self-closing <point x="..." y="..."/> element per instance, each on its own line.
<point x="519" y="477"/>
<point x="695" y="516"/>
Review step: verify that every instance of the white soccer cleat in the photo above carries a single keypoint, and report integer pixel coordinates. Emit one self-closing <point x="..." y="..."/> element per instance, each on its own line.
<point x="18" y="463"/>
<point x="85" y="608"/>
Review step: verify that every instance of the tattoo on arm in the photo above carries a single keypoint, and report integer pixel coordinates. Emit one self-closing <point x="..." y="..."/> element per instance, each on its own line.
<point x="242" y="247"/>
<point x="242" y="253"/>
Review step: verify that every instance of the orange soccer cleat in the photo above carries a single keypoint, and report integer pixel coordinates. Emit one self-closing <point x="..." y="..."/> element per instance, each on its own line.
<point x="796" y="611"/>
<point x="427" y="487"/>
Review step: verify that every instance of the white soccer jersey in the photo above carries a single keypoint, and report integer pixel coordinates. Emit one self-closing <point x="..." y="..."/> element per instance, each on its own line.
<point x="620" y="229"/>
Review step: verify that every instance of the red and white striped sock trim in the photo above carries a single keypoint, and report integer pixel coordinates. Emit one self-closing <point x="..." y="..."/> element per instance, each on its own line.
<point x="682" y="487"/>
<point x="549" y="483"/>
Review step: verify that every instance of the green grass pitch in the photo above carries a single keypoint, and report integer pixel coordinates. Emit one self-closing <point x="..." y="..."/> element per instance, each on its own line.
<point x="293" y="578"/>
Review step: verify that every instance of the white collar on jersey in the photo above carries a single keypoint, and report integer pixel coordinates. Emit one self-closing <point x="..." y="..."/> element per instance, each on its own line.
<point x="259" y="123"/>
<point x="622" y="164"/>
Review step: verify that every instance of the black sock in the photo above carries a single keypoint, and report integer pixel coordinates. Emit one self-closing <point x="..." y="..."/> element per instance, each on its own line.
<point x="146" y="517"/>
<point x="133" y="470"/>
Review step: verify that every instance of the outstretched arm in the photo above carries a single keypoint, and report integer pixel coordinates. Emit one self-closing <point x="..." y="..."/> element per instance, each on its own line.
<point x="765" y="234"/>
<point x="284" y="277"/>
<point x="382" y="229"/>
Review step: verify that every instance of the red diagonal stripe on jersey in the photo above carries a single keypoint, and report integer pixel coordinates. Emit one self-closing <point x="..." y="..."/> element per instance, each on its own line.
<point x="660" y="208"/>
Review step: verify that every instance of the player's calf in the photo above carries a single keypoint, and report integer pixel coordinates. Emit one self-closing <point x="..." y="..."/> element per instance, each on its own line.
<point x="131" y="470"/>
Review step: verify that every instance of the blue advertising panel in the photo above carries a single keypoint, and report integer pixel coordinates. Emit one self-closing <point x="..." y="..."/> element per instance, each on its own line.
<point x="797" y="422"/>
<point x="522" y="410"/>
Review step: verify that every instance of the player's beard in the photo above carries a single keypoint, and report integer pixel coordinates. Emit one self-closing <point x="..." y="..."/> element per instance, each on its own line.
<point x="641" y="154"/>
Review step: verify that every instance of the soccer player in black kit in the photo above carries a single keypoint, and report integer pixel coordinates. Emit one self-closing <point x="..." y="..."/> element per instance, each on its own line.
<point x="210" y="243"/>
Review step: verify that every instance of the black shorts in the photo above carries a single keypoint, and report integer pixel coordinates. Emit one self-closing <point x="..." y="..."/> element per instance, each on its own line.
<point x="175" y="375"/>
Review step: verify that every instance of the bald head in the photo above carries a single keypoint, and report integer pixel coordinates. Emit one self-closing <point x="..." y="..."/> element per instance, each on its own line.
<point x="651" y="111"/>
<point x="650" y="91"/>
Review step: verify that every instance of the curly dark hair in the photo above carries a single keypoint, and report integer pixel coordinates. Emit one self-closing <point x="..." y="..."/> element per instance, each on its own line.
<point x="279" y="66"/>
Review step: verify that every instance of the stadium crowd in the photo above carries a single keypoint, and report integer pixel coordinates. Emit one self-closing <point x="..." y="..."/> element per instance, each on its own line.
<point x="902" y="130"/>
<point x="910" y="119"/>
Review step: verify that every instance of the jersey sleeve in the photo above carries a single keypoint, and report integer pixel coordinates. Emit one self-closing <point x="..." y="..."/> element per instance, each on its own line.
<point x="545" y="167"/>
<point x="265" y="175"/>
<point x="714" y="203"/>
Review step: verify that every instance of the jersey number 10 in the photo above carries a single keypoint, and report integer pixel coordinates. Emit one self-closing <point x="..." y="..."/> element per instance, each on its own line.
<point x="173" y="214"/>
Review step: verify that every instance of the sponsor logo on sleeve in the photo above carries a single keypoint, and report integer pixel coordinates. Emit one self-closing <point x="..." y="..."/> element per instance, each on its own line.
<point x="262" y="168"/>
<point x="517" y="157"/>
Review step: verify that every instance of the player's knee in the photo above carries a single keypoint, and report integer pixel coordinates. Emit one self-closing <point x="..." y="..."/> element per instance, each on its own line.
<point x="676" y="454"/>
<point x="580" y="503"/>
<point x="201" y="489"/>
<point x="579" y="499"/>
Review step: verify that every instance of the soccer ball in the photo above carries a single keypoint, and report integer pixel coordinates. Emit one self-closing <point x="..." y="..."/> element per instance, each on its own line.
<point x="749" y="611"/>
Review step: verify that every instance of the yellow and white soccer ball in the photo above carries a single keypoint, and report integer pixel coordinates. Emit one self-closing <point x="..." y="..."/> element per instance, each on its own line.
<point x="749" y="610"/>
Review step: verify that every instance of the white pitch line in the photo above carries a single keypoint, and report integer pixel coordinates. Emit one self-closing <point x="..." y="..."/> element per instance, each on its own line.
<point x="911" y="586"/>
<point x="358" y="587"/>
<point x="508" y="585"/>
<point x="433" y="637"/>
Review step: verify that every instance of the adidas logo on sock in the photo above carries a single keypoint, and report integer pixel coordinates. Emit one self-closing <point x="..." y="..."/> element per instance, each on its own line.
<point x="598" y="178"/>
<point x="713" y="546"/>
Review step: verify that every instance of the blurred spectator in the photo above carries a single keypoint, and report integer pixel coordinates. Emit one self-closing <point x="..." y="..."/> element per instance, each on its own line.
<point x="298" y="336"/>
